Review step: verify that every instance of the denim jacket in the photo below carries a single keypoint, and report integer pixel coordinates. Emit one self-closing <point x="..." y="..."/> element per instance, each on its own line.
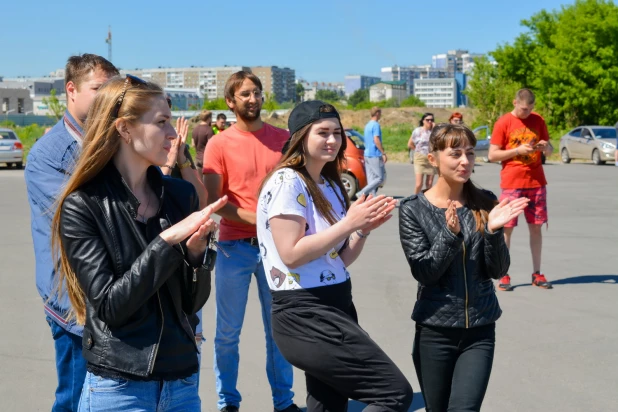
<point x="49" y="166"/>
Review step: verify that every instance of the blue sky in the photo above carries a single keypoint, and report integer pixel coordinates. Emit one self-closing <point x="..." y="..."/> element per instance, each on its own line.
<point x="322" y="40"/>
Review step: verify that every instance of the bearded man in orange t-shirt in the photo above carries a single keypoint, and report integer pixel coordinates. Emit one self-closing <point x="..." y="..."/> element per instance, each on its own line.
<point x="518" y="139"/>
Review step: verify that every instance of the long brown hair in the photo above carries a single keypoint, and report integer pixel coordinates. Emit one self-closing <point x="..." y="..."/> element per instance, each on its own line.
<point x="455" y="135"/>
<point x="100" y="143"/>
<point x="296" y="159"/>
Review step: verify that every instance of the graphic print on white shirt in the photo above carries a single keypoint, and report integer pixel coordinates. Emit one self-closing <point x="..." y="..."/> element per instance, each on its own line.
<point x="286" y="194"/>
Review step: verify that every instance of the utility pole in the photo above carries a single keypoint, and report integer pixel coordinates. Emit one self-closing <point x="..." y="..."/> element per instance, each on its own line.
<point x="109" y="44"/>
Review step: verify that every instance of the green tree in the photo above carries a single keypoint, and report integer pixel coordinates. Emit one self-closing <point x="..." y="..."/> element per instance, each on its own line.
<point x="216" y="104"/>
<point x="412" y="101"/>
<point x="359" y="96"/>
<point x="327" y="95"/>
<point x="568" y="58"/>
<point x="270" y="102"/>
<point x="300" y="92"/>
<point x="490" y="91"/>
<point x="193" y="107"/>
<point x="56" y="108"/>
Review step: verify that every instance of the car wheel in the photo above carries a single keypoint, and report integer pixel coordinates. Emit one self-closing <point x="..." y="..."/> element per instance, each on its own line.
<point x="349" y="182"/>
<point x="596" y="158"/>
<point x="564" y="156"/>
<point x="19" y="165"/>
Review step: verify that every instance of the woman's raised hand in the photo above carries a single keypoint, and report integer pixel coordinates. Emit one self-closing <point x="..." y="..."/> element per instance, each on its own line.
<point x="369" y="212"/>
<point x="196" y="226"/>
<point x="182" y="129"/>
<point x="452" y="220"/>
<point x="506" y="211"/>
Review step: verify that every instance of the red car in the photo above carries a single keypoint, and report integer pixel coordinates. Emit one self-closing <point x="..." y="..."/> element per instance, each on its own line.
<point x="354" y="178"/>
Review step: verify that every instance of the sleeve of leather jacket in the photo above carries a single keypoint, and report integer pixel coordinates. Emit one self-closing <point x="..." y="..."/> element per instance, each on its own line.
<point x="113" y="299"/>
<point x="428" y="262"/>
<point x="199" y="278"/>
<point x="497" y="257"/>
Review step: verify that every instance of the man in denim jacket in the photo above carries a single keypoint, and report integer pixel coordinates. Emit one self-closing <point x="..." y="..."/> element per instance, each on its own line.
<point x="49" y="165"/>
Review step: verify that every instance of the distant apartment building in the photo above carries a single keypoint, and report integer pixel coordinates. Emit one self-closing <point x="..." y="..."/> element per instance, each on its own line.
<point x="311" y="88"/>
<point x="358" y="81"/>
<point x="468" y="61"/>
<point x="15" y="101"/>
<point x="451" y="61"/>
<point x="410" y="73"/>
<point x="442" y="93"/>
<point x="184" y="99"/>
<point x="386" y="90"/>
<point x="278" y="80"/>
<point x="208" y="81"/>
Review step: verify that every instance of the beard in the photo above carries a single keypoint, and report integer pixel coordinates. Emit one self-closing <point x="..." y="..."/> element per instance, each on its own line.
<point x="247" y="116"/>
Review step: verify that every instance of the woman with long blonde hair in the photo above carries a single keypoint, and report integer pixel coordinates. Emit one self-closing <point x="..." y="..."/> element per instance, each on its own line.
<point x="309" y="235"/>
<point x="133" y="255"/>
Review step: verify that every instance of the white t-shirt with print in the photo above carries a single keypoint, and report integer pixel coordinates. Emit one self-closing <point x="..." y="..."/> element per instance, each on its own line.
<point x="285" y="193"/>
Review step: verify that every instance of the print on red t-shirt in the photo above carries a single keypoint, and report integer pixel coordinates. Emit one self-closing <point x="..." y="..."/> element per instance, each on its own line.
<point x="523" y="171"/>
<point x="243" y="159"/>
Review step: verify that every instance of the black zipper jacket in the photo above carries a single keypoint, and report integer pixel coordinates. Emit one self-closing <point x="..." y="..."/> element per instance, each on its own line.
<point x="454" y="271"/>
<point x="121" y="273"/>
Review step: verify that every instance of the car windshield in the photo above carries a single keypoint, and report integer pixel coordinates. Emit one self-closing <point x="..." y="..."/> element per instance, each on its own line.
<point x="6" y="135"/>
<point x="605" y="133"/>
<point x="356" y="137"/>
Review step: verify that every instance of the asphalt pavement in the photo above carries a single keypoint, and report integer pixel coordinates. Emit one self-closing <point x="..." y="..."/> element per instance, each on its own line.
<point x="555" y="350"/>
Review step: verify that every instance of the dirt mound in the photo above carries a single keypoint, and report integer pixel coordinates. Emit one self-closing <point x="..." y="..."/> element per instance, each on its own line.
<point x="390" y="117"/>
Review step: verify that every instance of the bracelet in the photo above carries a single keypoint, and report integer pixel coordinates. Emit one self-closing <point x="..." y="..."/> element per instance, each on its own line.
<point x="187" y="163"/>
<point x="361" y="235"/>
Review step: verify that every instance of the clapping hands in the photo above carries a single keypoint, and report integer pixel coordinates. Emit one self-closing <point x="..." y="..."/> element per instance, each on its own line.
<point x="506" y="211"/>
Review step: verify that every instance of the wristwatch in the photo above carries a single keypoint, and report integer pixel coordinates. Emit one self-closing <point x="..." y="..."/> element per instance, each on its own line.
<point x="187" y="163"/>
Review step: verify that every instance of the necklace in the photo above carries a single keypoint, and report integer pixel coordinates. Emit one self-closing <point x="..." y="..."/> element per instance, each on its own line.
<point x="143" y="218"/>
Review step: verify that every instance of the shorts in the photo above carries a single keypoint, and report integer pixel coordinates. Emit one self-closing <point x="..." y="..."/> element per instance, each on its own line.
<point x="422" y="165"/>
<point x="536" y="211"/>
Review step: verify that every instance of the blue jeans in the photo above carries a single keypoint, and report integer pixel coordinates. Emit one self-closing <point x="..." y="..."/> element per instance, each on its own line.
<point x="232" y="278"/>
<point x="70" y="367"/>
<point x="110" y="395"/>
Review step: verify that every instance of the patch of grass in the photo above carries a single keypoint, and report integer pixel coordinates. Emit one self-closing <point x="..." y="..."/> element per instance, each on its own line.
<point x="395" y="138"/>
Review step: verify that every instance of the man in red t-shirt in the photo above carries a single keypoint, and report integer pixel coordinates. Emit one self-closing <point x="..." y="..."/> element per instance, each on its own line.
<point x="518" y="139"/>
<point x="236" y="161"/>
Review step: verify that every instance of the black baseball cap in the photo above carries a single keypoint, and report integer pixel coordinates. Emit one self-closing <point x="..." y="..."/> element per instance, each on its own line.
<point x="307" y="113"/>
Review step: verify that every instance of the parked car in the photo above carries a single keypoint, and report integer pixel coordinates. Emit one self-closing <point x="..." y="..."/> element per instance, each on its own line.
<point x="11" y="149"/>
<point x="596" y="143"/>
<point x="483" y="139"/>
<point x="354" y="178"/>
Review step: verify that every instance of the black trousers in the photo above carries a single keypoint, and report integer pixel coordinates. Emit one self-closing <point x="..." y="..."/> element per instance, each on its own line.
<point x="317" y="331"/>
<point x="453" y="366"/>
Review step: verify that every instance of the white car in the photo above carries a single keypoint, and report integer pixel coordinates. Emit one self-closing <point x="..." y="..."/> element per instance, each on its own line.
<point x="11" y="149"/>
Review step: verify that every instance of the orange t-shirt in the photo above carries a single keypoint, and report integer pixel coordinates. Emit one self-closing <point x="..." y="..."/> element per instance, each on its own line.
<point x="523" y="171"/>
<point x="243" y="159"/>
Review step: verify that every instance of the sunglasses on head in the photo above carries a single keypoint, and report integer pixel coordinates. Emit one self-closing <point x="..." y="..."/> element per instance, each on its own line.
<point x="129" y="80"/>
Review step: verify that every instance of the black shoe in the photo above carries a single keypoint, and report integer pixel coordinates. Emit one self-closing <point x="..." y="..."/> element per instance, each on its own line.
<point x="229" y="408"/>
<point x="291" y="408"/>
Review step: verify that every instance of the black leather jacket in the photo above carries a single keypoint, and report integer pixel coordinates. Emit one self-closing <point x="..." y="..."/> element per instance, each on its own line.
<point x="121" y="273"/>
<point x="454" y="271"/>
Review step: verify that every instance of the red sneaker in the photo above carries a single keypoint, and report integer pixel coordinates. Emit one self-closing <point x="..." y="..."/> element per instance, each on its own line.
<point x="538" y="279"/>
<point x="505" y="284"/>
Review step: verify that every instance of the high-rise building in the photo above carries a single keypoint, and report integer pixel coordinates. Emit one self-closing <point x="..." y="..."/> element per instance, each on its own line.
<point x="358" y="81"/>
<point x="467" y="60"/>
<point x="209" y="82"/>
<point x="278" y="80"/>
<point x="410" y="73"/>
<point x="445" y="93"/>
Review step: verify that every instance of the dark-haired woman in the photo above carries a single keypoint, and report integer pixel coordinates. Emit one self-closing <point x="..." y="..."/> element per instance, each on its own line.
<point x="453" y="240"/>
<point x="309" y="235"/>
<point x="419" y="142"/>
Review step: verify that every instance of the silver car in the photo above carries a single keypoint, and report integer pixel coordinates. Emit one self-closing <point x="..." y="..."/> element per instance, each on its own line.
<point x="483" y="137"/>
<point x="596" y="143"/>
<point x="11" y="149"/>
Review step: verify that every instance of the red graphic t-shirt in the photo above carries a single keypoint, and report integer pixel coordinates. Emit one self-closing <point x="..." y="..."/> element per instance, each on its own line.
<point x="523" y="171"/>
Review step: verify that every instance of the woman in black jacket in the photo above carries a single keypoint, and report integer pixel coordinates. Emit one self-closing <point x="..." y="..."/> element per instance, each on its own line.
<point x="453" y="240"/>
<point x="132" y="246"/>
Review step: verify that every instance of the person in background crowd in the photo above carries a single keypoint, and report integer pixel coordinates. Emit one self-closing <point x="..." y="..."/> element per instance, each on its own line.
<point x="375" y="156"/>
<point x="50" y="163"/>
<point x="453" y="240"/>
<point x="419" y="142"/>
<point x="456" y="118"/>
<point x="201" y="134"/>
<point x="518" y="140"/>
<point x="235" y="163"/>
<point x="132" y="246"/>
<point x="220" y="124"/>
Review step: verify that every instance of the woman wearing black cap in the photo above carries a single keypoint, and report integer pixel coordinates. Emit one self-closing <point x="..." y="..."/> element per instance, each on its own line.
<point x="309" y="234"/>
